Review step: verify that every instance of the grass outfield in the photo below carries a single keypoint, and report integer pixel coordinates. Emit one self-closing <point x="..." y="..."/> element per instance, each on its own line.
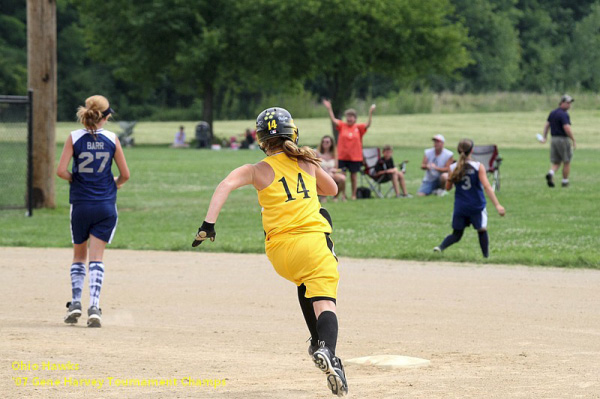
<point x="166" y="200"/>
<point x="514" y="130"/>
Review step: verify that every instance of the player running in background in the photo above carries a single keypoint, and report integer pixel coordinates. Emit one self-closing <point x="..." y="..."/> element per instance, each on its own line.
<point x="93" y="197"/>
<point x="289" y="181"/>
<point x="469" y="202"/>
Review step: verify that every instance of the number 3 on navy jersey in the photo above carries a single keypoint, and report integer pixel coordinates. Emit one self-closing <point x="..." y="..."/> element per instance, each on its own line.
<point x="87" y="157"/>
<point x="300" y="183"/>
<point x="467" y="183"/>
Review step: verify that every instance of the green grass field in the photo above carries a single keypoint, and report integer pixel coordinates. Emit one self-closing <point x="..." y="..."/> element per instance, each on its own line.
<point x="163" y="204"/>
<point x="166" y="199"/>
<point x="13" y="173"/>
<point x="507" y="130"/>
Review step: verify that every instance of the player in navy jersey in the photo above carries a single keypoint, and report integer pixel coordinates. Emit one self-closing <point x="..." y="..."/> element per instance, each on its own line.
<point x="470" y="180"/>
<point x="93" y="198"/>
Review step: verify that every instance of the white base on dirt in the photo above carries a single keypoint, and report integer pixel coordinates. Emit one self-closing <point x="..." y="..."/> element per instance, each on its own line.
<point x="390" y="361"/>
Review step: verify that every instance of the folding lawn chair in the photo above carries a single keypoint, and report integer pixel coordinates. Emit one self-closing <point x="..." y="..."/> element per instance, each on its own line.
<point x="371" y="157"/>
<point x="489" y="157"/>
<point x="126" y="135"/>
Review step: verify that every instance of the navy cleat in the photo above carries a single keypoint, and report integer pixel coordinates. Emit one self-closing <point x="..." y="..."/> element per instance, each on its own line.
<point x="332" y="366"/>
<point x="73" y="312"/>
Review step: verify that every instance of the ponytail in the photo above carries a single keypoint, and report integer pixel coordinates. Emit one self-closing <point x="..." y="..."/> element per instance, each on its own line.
<point x="93" y="112"/>
<point x="464" y="149"/>
<point x="305" y="154"/>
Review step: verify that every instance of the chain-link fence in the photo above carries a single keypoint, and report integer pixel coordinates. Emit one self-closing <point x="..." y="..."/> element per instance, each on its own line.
<point x="15" y="152"/>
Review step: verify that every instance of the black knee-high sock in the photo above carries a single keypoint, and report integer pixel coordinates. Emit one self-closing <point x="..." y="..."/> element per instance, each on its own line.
<point x="451" y="239"/>
<point x="484" y="243"/>
<point x="309" y="314"/>
<point x="327" y="325"/>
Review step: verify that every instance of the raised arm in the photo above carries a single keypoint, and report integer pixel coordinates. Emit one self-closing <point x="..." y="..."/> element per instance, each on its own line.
<point x="121" y="164"/>
<point x="368" y="124"/>
<point x="489" y="191"/>
<point x="327" y="105"/>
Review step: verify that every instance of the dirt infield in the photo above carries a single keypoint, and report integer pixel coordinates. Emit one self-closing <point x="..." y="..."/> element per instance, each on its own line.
<point x="229" y="320"/>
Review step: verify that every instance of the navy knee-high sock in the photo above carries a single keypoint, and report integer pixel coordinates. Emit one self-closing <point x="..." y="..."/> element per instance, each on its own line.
<point x="309" y="314"/>
<point x="96" y="279"/>
<point x="484" y="243"/>
<point x="77" y="277"/>
<point x="451" y="239"/>
<point x="327" y="326"/>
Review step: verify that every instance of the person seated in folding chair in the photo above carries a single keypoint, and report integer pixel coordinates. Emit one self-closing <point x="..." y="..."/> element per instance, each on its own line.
<point x="386" y="171"/>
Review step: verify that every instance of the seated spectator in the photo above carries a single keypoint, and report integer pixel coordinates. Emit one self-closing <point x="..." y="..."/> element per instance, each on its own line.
<point x="329" y="162"/>
<point x="179" y="141"/>
<point x="436" y="162"/>
<point x="233" y="143"/>
<point x="386" y="171"/>
<point x="249" y="139"/>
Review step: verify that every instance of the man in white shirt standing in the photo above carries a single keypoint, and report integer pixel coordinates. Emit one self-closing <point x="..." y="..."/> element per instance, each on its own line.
<point x="436" y="162"/>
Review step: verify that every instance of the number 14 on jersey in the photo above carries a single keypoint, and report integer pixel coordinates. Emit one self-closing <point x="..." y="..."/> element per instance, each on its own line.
<point x="298" y="185"/>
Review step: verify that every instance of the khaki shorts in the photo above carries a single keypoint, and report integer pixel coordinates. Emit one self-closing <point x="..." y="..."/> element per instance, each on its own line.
<point x="560" y="150"/>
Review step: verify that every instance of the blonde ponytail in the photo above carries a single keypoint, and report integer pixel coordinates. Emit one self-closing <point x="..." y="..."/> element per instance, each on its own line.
<point x="464" y="149"/>
<point x="305" y="154"/>
<point x="91" y="114"/>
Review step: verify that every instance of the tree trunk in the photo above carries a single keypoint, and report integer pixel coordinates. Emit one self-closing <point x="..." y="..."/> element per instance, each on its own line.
<point x="41" y="67"/>
<point x="207" y="106"/>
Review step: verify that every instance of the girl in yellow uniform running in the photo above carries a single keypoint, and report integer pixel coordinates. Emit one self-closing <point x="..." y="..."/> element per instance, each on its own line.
<point x="289" y="181"/>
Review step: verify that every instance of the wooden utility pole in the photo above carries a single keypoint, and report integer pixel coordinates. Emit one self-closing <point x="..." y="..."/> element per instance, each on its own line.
<point x="41" y="67"/>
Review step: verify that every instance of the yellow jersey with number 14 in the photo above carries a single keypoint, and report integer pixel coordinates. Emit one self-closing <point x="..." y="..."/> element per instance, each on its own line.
<point x="290" y="204"/>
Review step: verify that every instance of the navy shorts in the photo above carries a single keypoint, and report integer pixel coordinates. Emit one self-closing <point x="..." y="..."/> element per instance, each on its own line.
<point x="96" y="218"/>
<point x="351" y="166"/>
<point x="462" y="220"/>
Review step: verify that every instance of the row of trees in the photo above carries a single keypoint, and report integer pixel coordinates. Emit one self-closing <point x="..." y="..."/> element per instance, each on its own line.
<point x="176" y="53"/>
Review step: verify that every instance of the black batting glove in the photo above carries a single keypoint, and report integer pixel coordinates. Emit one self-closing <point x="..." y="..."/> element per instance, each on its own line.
<point x="205" y="232"/>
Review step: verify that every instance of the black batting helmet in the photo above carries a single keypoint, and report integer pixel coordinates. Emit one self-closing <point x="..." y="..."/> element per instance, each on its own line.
<point x="275" y="122"/>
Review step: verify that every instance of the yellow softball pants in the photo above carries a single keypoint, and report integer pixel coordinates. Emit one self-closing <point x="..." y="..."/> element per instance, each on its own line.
<point x="306" y="258"/>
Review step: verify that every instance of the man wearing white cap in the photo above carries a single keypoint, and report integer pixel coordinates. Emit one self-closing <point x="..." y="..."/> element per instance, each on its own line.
<point x="436" y="162"/>
<point x="559" y="125"/>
